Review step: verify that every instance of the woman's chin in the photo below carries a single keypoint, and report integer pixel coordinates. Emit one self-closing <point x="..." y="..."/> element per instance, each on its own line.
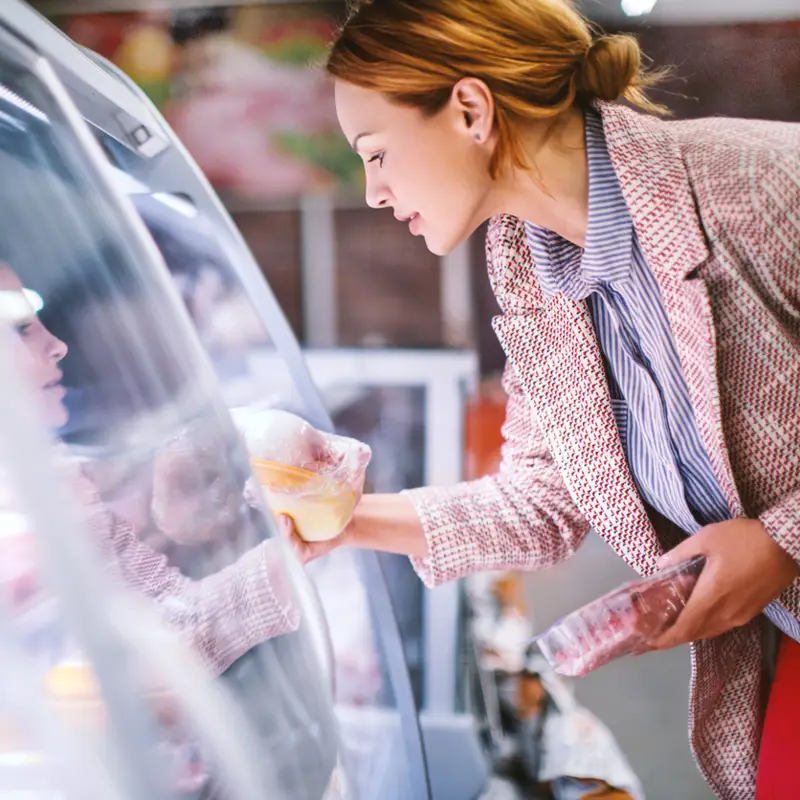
<point x="437" y="246"/>
<point x="443" y="244"/>
<point x="57" y="417"/>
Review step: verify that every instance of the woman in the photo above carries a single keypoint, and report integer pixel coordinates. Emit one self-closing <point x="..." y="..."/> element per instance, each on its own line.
<point x="651" y="324"/>
<point x="222" y="616"/>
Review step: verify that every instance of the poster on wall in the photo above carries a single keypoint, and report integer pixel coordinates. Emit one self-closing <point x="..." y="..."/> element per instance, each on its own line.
<point x="242" y="88"/>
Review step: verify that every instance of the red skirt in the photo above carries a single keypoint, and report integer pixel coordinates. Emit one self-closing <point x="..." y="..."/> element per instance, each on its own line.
<point x="778" y="774"/>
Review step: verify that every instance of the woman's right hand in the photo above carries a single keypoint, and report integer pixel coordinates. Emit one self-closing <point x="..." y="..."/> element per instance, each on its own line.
<point x="387" y="522"/>
<point x="307" y="551"/>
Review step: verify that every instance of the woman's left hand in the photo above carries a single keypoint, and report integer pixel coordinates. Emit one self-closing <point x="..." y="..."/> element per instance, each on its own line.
<point x="745" y="571"/>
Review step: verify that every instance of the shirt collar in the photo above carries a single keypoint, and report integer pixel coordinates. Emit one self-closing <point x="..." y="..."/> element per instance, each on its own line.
<point x="606" y="256"/>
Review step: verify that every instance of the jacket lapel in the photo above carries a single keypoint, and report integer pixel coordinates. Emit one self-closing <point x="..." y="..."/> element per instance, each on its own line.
<point x="555" y="354"/>
<point x="655" y="183"/>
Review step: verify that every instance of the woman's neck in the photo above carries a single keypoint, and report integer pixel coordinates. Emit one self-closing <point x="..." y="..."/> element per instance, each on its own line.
<point x="555" y="194"/>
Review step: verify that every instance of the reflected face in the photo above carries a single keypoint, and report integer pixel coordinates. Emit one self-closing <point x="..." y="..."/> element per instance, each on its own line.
<point x="41" y="351"/>
<point x="427" y="169"/>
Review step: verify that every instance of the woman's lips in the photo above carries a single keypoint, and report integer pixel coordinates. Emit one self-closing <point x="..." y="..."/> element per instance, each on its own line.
<point x="55" y="387"/>
<point x="413" y="221"/>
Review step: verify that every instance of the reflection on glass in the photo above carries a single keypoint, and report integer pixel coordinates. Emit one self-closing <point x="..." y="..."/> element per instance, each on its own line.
<point x="201" y="257"/>
<point x="153" y="459"/>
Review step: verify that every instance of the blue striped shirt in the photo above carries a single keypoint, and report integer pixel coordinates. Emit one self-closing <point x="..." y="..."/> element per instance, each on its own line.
<point x="653" y="412"/>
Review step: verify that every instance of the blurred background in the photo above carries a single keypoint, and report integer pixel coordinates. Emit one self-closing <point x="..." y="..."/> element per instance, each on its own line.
<point x="238" y="84"/>
<point x="235" y="84"/>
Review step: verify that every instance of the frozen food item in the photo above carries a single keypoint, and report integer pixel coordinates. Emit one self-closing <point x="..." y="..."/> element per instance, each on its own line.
<point x="315" y="478"/>
<point x="73" y="687"/>
<point x="320" y="506"/>
<point x="623" y="622"/>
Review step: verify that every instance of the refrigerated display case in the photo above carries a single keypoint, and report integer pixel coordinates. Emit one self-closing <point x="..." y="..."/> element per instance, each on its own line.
<point x="170" y="323"/>
<point x="233" y="701"/>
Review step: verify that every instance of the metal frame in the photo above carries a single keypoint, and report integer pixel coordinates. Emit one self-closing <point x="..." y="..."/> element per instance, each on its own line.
<point x="73" y="67"/>
<point x="457" y="299"/>
<point x="318" y="271"/>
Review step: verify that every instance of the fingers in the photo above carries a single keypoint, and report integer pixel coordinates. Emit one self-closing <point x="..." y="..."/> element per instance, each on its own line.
<point x="286" y="527"/>
<point x="683" y="552"/>
<point x="696" y="621"/>
<point x="306" y="551"/>
<point x="288" y="532"/>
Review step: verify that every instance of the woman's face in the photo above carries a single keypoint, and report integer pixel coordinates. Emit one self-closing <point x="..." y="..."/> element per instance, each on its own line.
<point x="41" y="353"/>
<point x="430" y="171"/>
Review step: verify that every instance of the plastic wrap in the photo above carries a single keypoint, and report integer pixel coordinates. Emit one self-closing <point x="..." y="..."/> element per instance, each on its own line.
<point x="623" y="622"/>
<point x="313" y="477"/>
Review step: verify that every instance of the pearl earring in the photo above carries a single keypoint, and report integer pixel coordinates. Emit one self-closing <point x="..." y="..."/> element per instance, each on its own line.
<point x="477" y="137"/>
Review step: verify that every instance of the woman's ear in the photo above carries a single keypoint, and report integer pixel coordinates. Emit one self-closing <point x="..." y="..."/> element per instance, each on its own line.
<point x="473" y="103"/>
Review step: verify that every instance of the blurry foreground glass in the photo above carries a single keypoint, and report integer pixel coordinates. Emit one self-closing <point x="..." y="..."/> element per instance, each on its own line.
<point x="159" y="614"/>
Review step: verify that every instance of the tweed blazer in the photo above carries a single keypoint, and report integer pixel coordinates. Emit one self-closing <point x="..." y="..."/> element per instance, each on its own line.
<point x="716" y="206"/>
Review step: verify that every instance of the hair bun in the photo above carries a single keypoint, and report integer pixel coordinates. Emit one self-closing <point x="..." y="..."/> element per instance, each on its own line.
<point x="610" y="67"/>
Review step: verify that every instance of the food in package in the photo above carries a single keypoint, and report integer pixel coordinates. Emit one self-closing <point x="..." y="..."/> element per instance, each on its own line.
<point x="313" y="477"/>
<point x="624" y="622"/>
<point x="73" y="687"/>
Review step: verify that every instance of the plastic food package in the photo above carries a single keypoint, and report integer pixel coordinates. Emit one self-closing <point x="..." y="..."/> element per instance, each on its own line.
<point x="75" y="692"/>
<point x="315" y="478"/>
<point x="621" y="623"/>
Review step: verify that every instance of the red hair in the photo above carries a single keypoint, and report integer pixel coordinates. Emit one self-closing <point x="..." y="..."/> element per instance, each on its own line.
<point x="539" y="58"/>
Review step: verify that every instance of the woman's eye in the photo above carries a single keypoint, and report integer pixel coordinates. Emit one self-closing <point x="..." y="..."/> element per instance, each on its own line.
<point x="24" y="329"/>
<point x="377" y="157"/>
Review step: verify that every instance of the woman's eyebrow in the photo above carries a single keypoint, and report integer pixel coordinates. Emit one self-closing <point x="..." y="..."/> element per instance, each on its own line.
<point x="354" y="144"/>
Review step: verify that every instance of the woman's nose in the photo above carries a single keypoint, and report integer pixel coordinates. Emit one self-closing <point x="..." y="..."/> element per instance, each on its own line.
<point x="377" y="194"/>
<point x="57" y="350"/>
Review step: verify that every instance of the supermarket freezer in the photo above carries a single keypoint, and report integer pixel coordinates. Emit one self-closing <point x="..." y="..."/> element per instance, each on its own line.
<point x="95" y="180"/>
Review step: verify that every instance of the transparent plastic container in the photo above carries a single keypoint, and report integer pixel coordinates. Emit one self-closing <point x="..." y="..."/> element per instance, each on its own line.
<point x="315" y="478"/>
<point x="621" y="623"/>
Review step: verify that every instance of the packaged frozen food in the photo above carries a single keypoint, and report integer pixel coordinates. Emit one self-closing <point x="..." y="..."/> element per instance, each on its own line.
<point x="73" y="687"/>
<point x="313" y="477"/>
<point x="623" y="622"/>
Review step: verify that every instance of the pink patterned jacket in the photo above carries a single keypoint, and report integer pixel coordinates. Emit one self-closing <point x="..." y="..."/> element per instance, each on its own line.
<point x="716" y="206"/>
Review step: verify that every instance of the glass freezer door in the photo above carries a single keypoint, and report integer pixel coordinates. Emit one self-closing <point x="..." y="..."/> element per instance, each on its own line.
<point x="190" y="650"/>
<point x="236" y="317"/>
<point x="235" y="314"/>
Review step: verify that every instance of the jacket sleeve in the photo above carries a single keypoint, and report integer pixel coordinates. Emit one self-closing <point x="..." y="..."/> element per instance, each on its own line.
<point x="221" y="616"/>
<point x="521" y="518"/>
